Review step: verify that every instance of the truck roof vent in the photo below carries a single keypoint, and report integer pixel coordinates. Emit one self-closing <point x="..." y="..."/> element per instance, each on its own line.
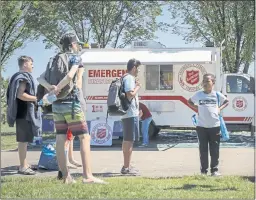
<point x="147" y="44"/>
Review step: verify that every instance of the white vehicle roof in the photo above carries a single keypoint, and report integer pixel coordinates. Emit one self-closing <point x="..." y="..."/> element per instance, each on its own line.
<point x="121" y="56"/>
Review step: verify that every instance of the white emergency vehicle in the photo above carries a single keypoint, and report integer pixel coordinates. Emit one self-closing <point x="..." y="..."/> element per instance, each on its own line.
<point x="169" y="77"/>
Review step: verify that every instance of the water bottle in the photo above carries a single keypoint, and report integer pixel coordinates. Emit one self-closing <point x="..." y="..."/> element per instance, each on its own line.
<point x="48" y="99"/>
<point x="37" y="141"/>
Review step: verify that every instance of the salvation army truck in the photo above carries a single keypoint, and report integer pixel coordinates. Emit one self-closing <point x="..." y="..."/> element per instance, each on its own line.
<point x="169" y="77"/>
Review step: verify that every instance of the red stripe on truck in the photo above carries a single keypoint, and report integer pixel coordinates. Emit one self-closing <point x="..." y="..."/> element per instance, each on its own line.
<point x="173" y="98"/>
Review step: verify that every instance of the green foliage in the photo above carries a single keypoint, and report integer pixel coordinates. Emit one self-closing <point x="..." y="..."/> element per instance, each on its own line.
<point x="214" y="21"/>
<point x="4" y="83"/>
<point x="109" y="23"/>
<point x="14" y="29"/>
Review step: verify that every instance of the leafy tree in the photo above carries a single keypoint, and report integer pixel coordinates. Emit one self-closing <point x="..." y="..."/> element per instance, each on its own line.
<point x="108" y="23"/>
<point x="14" y="30"/>
<point x="3" y="99"/>
<point x="213" y="21"/>
<point x="13" y="35"/>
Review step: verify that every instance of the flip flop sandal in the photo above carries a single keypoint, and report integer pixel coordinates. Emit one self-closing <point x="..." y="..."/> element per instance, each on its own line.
<point x="27" y="171"/>
<point x="72" y="166"/>
<point x="69" y="180"/>
<point x="94" y="181"/>
<point x="76" y="164"/>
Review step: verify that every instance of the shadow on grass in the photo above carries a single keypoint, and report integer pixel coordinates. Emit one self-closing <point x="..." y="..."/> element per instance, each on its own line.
<point x="249" y="178"/>
<point x="192" y="186"/>
<point x="8" y="134"/>
<point x="105" y="175"/>
<point x="13" y="171"/>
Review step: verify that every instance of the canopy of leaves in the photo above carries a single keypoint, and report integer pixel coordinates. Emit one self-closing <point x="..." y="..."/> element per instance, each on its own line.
<point x="214" y="21"/>
<point x="109" y="23"/>
<point x="14" y="30"/>
<point x="4" y="83"/>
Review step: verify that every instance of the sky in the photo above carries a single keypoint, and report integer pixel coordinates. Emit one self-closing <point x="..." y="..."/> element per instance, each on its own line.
<point x="41" y="56"/>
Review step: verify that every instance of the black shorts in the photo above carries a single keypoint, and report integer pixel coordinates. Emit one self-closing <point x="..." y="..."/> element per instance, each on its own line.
<point x="24" y="131"/>
<point x="131" y="129"/>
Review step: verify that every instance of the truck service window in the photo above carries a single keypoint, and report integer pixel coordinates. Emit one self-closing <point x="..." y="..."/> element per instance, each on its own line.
<point x="238" y="84"/>
<point x="159" y="77"/>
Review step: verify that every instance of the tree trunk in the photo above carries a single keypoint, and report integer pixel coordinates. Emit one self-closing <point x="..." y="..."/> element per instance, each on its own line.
<point x="246" y="67"/>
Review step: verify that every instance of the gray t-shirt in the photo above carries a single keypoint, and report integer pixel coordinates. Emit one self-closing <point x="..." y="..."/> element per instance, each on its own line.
<point x="208" y="108"/>
<point x="129" y="85"/>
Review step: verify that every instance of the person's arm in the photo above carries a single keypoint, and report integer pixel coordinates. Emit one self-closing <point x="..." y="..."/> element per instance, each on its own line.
<point x="44" y="83"/>
<point x="224" y="100"/>
<point x="131" y="89"/>
<point x="75" y="62"/>
<point x="22" y="95"/>
<point x="140" y="114"/>
<point x="66" y="80"/>
<point x="192" y="102"/>
<point x="79" y="81"/>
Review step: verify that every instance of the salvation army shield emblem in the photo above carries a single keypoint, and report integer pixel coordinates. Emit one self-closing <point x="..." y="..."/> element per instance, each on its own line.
<point x="239" y="103"/>
<point x="192" y="77"/>
<point x="101" y="133"/>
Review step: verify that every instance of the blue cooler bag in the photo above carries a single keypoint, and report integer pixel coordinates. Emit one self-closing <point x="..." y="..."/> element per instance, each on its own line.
<point x="48" y="159"/>
<point x="223" y="129"/>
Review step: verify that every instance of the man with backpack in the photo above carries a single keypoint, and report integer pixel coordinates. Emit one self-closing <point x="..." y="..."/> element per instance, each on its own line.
<point x="130" y="120"/>
<point x="209" y="104"/>
<point x="60" y="78"/>
<point x="123" y="101"/>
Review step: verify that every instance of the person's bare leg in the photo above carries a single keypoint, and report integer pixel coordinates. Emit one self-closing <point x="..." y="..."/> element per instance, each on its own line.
<point x="68" y="148"/>
<point x="127" y="153"/>
<point x="22" y="149"/>
<point x="85" y="150"/>
<point x="62" y="158"/>
<point x="71" y="154"/>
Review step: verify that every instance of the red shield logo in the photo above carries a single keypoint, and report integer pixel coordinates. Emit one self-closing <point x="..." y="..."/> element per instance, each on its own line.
<point x="101" y="133"/>
<point x="192" y="77"/>
<point x="239" y="103"/>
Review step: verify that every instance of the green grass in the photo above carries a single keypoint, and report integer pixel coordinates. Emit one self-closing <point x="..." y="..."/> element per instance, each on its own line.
<point x="229" y="187"/>
<point x="8" y="137"/>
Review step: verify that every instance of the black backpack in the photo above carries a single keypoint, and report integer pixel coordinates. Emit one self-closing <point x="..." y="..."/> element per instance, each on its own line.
<point x="117" y="102"/>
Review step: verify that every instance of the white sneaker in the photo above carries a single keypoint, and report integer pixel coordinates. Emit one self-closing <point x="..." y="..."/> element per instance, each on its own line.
<point x="216" y="174"/>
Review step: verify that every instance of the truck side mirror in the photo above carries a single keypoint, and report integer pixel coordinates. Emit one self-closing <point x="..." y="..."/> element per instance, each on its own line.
<point x="252" y="85"/>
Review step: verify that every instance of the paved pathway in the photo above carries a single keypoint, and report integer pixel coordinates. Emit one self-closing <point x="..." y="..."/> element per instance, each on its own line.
<point x="172" y="162"/>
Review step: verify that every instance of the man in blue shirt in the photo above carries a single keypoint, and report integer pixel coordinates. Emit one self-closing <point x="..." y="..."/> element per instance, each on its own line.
<point x="130" y="120"/>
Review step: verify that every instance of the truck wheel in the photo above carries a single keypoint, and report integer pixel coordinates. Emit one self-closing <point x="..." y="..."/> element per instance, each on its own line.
<point x="153" y="130"/>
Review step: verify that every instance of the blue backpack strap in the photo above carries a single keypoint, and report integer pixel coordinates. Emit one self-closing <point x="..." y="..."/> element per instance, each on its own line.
<point x="218" y="99"/>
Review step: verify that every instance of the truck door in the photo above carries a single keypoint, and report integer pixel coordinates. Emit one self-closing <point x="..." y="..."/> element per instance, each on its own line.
<point x="239" y="89"/>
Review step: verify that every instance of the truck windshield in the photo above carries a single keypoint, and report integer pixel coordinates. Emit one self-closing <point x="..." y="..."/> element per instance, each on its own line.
<point x="238" y="84"/>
